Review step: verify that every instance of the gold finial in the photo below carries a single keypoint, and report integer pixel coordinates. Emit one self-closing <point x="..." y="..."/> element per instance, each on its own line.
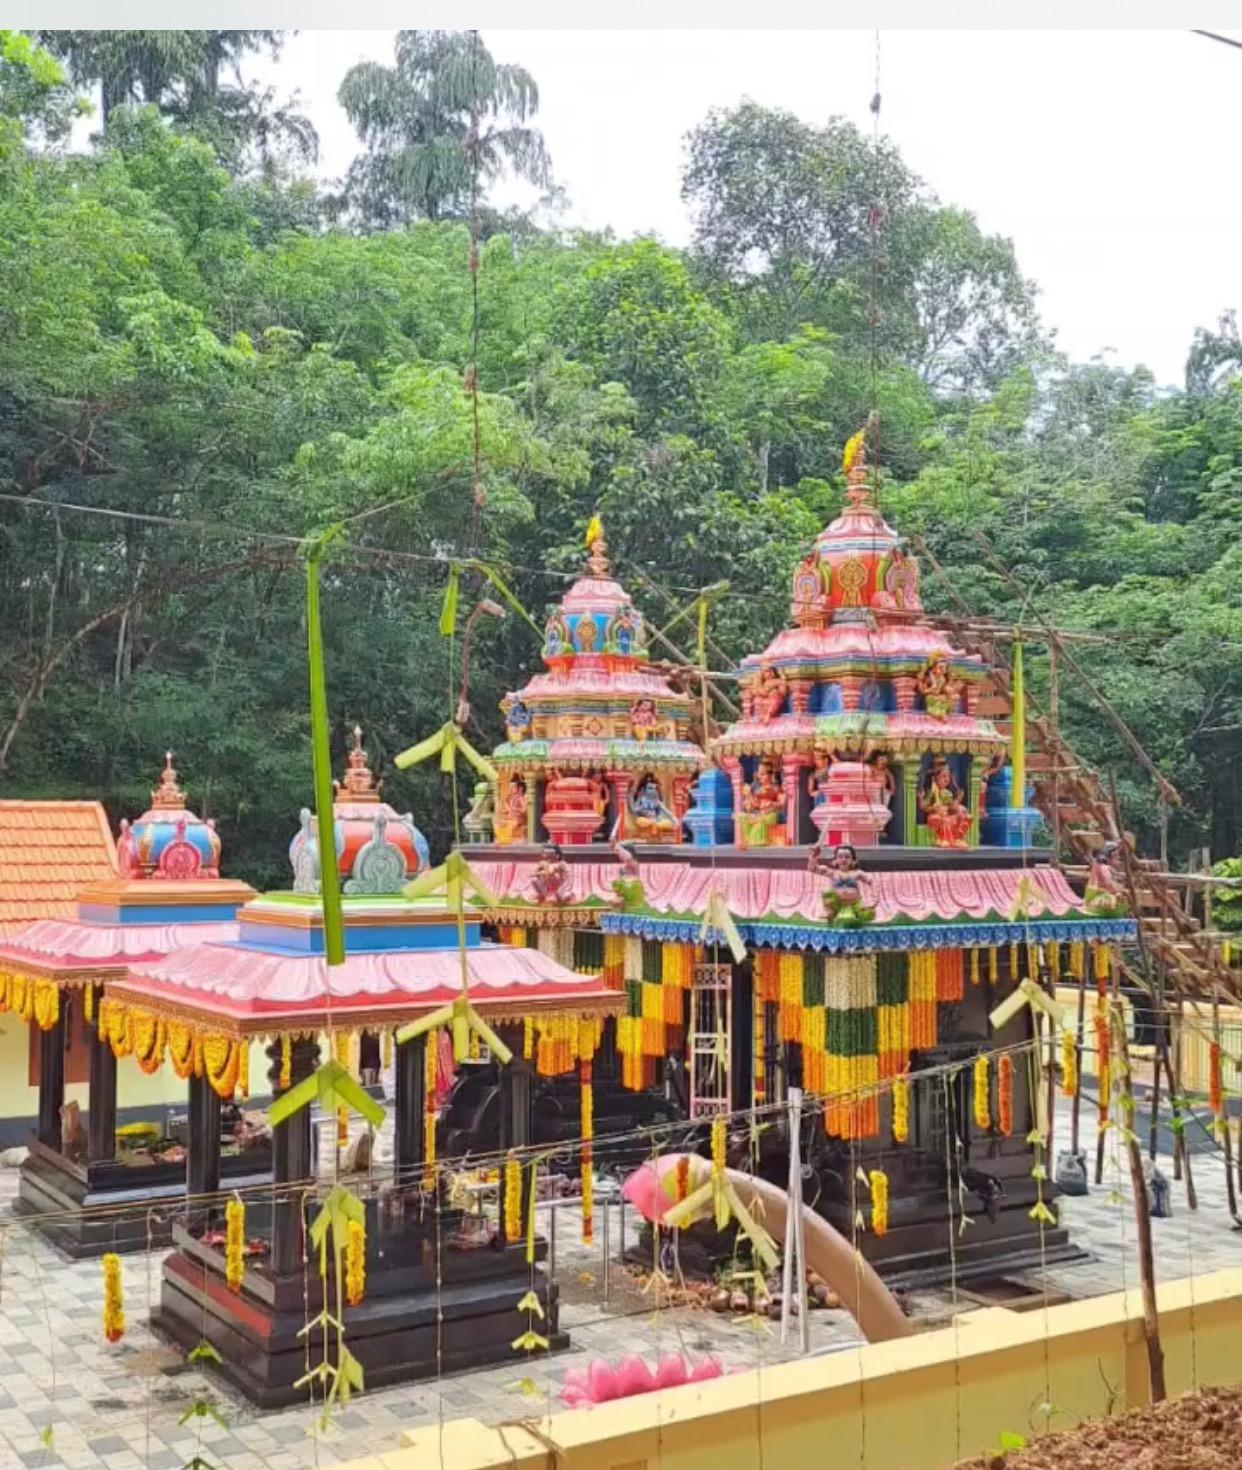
<point x="359" y="784"/>
<point x="597" y="561"/>
<point x="859" y="483"/>
<point x="168" y="794"/>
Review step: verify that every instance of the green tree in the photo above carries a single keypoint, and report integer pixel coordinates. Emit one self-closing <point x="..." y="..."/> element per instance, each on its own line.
<point x="444" y="103"/>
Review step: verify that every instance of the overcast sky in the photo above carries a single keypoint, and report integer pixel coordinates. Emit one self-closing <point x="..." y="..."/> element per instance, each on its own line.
<point x="1106" y="156"/>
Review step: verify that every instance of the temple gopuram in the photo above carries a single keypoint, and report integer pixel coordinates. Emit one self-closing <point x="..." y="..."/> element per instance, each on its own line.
<point x="854" y="890"/>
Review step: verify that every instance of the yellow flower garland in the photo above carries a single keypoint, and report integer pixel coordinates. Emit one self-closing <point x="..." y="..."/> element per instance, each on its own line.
<point x="234" y="1242"/>
<point x="901" y="1110"/>
<point x="220" y="1064"/>
<point x="879" y="1201"/>
<point x="513" y="1200"/>
<point x="1069" y="1064"/>
<point x="286" y="1062"/>
<point x="982" y="1095"/>
<point x="431" y="1061"/>
<point x="355" y="1262"/>
<point x="46" y="1004"/>
<point x="114" y="1298"/>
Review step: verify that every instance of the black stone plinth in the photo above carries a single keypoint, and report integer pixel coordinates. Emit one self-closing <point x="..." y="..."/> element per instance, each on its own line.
<point x="412" y="1323"/>
<point x="86" y="1209"/>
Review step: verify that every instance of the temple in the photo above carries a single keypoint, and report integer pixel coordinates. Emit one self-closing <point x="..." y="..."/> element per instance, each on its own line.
<point x="854" y="894"/>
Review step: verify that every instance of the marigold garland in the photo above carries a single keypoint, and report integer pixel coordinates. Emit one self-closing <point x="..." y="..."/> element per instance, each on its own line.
<point x="1216" y="1092"/>
<point x="355" y="1262"/>
<point x="587" y="1157"/>
<point x="1004" y="1096"/>
<point x="993" y="965"/>
<point x="234" y="1242"/>
<point x="683" y="1177"/>
<point x="528" y="1037"/>
<point x="386" y="1050"/>
<point x="1069" y="1064"/>
<point x="340" y="1051"/>
<point x="88" y="1004"/>
<point x="879" y="1201"/>
<point x="982" y="1094"/>
<point x="431" y="1062"/>
<point x="220" y="1064"/>
<point x="718" y="1145"/>
<point x="114" y="1298"/>
<point x="759" y="1079"/>
<point x="286" y="1062"/>
<point x="901" y="1110"/>
<point x="46" y="1005"/>
<point x="513" y="1200"/>
<point x="1103" y="1059"/>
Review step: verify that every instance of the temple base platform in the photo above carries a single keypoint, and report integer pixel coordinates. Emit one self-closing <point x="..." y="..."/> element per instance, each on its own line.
<point x="86" y="1209"/>
<point x="393" y="1332"/>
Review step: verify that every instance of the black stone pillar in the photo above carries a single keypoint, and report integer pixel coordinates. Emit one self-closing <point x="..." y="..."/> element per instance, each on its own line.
<point x="740" y="1029"/>
<point x="101" y="1102"/>
<point x="292" y="1164"/>
<point x="516" y="1091"/>
<point x="52" y="1075"/>
<point x="411" y="1079"/>
<point x="202" y="1165"/>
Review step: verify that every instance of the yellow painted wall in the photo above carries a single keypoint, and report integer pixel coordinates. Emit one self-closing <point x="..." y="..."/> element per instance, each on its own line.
<point x="920" y="1403"/>
<point x="135" y="1088"/>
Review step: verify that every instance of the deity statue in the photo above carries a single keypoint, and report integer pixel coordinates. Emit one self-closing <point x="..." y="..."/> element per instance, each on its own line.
<point x="900" y="587"/>
<point x="585" y="634"/>
<point x="622" y="635"/>
<point x="993" y="768"/>
<point x="551" y="876"/>
<point x="1103" y="896"/>
<point x="517" y="722"/>
<point x="511" y="820"/>
<point x="880" y="766"/>
<point x="817" y="782"/>
<point x="937" y="686"/>
<point x="643" y="719"/>
<point x="846" y="886"/>
<point x="627" y="885"/>
<point x="478" y="820"/>
<point x="770" y="690"/>
<point x="942" y="803"/>
<point x="555" y="636"/>
<point x="649" y="816"/>
<point x="808" y="583"/>
<point x="763" y="809"/>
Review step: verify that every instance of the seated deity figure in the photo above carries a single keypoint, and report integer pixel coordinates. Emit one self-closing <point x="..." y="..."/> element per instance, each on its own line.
<point x="650" y="818"/>
<point x="770" y="690"/>
<point x="937" y="686"/>
<point x="847" y="885"/>
<point x="510" y="821"/>
<point x="943" y="805"/>
<point x="551" y="876"/>
<point x="763" y="809"/>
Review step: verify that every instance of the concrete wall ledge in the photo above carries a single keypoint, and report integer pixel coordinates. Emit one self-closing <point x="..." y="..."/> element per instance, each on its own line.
<point x="919" y="1403"/>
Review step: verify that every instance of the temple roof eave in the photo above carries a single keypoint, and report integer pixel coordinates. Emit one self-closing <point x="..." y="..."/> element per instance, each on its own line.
<point x="571" y="753"/>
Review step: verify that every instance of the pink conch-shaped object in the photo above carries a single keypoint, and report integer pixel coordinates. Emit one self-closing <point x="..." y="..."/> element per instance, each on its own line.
<point x="600" y="1382"/>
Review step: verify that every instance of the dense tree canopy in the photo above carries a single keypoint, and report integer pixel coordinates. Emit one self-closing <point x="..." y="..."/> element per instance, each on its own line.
<point x="187" y="338"/>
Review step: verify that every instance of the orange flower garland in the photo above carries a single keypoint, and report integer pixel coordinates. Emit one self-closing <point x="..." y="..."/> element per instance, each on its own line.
<point x="114" y="1298"/>
<point x="1004" y="1095"/>
<point x="587" y="1156"/>
<point x="1103" y="1059"/>
<point x="513" y="1200"/>
<point x="1216" y="1092"/>
<point x="431" y="1062"/>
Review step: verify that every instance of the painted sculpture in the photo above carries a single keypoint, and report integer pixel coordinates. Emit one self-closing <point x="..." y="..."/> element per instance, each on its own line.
<point x="942" y="802"/>
<point x="599" y="743"/>
<point x="168" y="840"/>
<point x="847" y="885"/>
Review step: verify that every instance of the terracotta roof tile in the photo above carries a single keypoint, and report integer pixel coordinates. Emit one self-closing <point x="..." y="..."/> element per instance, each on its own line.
<point x="48" y="850"/>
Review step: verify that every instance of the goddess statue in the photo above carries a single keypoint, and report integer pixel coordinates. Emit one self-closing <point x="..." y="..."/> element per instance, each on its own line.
<point x="1103" y="896"/>
<point x="511" y="818"/>
<point x="517" y="722"/>
<point x="771" y="687"/>
<point x="935" y="683"/>
<point x="817" y="782"/>
<point x="763" y="808"/>
<point x="550" y="877"/>
<point x="942" y="803"/>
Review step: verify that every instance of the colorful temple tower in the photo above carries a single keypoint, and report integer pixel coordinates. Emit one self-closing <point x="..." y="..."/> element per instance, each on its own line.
<point x="55" y="974"/>
<point x="599" y="746"/>
<point x="859" y="723"/>
<point x="855" y="939"/>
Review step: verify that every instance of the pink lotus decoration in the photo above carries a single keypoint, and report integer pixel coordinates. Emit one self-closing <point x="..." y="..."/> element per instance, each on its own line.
<point x="601" y="1382"/>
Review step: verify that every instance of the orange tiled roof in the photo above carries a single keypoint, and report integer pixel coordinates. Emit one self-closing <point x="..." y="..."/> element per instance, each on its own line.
<point x="48" y="850"/>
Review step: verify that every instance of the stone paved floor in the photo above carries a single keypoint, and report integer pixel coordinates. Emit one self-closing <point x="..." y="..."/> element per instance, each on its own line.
<point x="121" y="1406"/>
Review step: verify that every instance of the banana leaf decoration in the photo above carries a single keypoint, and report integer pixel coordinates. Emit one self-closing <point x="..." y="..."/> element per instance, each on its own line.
<point x="852" y="446"/>
<point x="325" y="820"/>
<point x="334" y="1089"/>
<point x="716" y="1196"/>
<point x="453" y="880"/>
<point x="448" y="742"/>
<point x="717" y="916"/>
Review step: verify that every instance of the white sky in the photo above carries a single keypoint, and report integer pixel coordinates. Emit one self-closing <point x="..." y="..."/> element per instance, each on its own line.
<point x="1106" y="156"/>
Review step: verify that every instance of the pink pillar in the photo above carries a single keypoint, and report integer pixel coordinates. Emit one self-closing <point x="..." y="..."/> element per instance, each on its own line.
<point x="851" y="691"/>
<point x="906" y="691"/>
<point x="792" y="767"/>
<point x="800" y="695"/>
<point x="681" y="801"/>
